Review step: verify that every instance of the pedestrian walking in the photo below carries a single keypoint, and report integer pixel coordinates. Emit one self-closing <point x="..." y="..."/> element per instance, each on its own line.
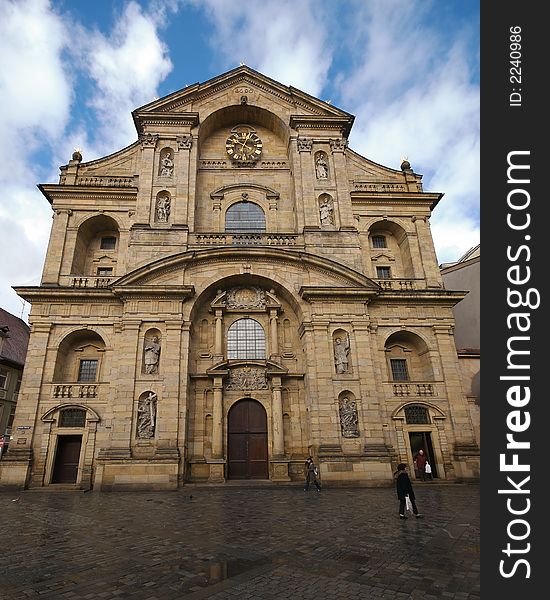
<point x="311" y="474"/>
<point x="420" y="461"/>
<point x="404" y="489"/>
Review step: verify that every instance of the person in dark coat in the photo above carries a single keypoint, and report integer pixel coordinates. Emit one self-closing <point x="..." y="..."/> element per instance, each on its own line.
<point x="404" y="488"/>
<point x="311" y="474"/>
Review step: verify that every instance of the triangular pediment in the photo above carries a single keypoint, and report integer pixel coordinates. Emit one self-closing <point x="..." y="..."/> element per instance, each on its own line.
<point x="238" y="86"/>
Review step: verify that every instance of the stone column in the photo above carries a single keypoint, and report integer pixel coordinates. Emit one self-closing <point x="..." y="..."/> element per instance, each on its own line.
<point x="218" y="339"/>
<point x="56" y="247"/>
<point x="16" y="465"/>
<point x="182" y="170"/>
<point x="277" y="418"/>
<point x="273" y="330"/>
<point x="217" y="419"/>
<point x="427" y="251"/>
<point x="338" y="147"/>
<point x="143" y="209"/>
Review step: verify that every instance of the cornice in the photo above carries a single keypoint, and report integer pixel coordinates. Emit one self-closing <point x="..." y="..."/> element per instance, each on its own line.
<point x="179" y="120"/>
<point x="341" y="123"/>
<point x="70" y="193"/>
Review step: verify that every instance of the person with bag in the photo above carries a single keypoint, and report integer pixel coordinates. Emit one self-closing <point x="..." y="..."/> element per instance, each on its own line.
<point x="311" y="474"/>
<point x="428" y="470"/>
<point x="404" y="491"/>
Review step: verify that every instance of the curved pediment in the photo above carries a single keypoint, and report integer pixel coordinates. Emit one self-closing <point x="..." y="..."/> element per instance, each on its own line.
<point x="168" y="271"/>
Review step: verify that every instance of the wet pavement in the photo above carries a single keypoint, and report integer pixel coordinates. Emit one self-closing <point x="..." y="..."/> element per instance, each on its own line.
<point x="241" y="542"/>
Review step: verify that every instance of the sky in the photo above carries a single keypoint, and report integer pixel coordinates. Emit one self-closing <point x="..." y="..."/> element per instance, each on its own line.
<point x="72" y="71"/>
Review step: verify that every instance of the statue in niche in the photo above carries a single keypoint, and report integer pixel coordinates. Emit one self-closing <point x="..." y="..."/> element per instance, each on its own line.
<point x="146" y="416"/>
<point x="163" y="209"/>
<point x="341" y="354"/>
<point x="349" y="418"/>
<point x="166" y="165"/>
<point x="321" y="166"/>
<point x="152" y="355"/>
<point x="326" y="211"/>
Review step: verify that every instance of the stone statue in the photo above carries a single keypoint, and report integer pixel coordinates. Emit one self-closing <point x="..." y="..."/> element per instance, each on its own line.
<point x="166" y="165"/>
<point x="152" y="355"/>
<point x="321" y="166"/>
<point x="341" y="354"/>
<point x="163" y="209"/>
<point x="146" y="416"/>
<point x="326" y="211"/>
<point x="349" y="418"/>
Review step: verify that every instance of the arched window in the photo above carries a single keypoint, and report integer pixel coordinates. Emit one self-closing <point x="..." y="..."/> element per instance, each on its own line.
<point x="246" y="339"/>
<point x="244" y="216"/>
<point x="416" y="415"/>
<point x="72" y="417"/>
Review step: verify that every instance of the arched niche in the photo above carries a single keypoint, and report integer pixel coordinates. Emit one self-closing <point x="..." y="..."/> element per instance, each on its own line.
<point x="408" y="358"/>
<point x="389" y="247"/>
<point x="80" y="357"/>
<point x="96" y="247"/>
<point x="151" y="353"/>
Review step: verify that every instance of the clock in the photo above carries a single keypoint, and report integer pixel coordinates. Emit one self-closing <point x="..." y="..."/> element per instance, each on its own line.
<point x="244" y="146"/>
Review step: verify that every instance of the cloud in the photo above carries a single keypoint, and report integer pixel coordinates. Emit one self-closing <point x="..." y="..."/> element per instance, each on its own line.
<point x="414" y="94"/>
<point x="125" y="68"/>
<point x="35" y="95"/>
<point x="294" y="48"/>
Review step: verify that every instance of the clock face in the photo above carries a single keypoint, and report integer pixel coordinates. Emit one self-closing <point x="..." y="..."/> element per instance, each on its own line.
<point x="244" y="146"/>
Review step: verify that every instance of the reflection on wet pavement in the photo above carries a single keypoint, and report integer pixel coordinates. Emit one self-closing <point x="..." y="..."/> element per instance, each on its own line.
<point x="241" y="542"/>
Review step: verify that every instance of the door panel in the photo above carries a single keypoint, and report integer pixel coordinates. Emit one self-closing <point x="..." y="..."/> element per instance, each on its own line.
<point x="247" y="441"/>
<point x="67" y="457"/>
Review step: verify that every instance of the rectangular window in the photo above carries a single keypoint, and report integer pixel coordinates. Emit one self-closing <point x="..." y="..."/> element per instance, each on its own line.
<point x="104" y="271"/>
<point x="87" y="370"/>
<point x="108" y="243"/>
<point x="379" y="241"/>
<point x="399" y="369"/>
<point x="3" y="379"/>
<point x="383" y="272"/>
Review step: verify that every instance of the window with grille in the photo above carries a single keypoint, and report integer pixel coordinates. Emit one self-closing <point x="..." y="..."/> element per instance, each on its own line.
<point x="108" y="243"/>
<point x="104" y="271"/>
<point x="72" y="417"/>
<point x="87" y="370"/>
<point x="244" y="217"/>
<point x="399" y="369"/>
<point x="246" y="339"/>
<point x="416" y="415"/>
<point x="379" y="241"/>
<point x="383" y="272"/>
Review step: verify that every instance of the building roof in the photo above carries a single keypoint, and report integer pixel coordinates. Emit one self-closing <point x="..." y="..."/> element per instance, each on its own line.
<point x="14" y="338"/>
<point x="472" y="253"/>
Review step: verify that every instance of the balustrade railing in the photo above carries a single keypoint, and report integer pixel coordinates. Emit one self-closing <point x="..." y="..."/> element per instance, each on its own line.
<point x="244" y="239"/>
<point x="74" y="390"/>
<point x="413" y="389"/>
<point x="404" y="285"/>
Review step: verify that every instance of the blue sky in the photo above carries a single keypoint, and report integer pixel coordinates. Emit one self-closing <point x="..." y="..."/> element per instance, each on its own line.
<point x="71" y="72"/>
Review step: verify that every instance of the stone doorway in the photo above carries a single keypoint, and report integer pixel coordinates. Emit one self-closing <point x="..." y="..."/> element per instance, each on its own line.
<point x="422" y="440"/>
<point x="67" y="457"/>
<point x="247" y="441"/>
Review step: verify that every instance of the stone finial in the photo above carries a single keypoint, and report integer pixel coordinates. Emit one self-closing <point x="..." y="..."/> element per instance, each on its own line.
<point x="405" y="164"/>
<point x="77" y="155"/>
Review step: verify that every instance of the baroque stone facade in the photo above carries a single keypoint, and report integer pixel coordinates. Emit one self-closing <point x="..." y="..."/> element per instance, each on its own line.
<point x="232" y="292"/>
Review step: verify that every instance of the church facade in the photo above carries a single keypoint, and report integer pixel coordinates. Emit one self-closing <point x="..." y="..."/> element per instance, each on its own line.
<point x="236" y="290"/>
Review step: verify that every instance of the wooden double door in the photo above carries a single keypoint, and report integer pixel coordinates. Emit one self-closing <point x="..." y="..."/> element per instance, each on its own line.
<point x="247" y="441"/>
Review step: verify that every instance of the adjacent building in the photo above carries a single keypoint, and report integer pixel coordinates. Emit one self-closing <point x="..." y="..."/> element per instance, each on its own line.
<point x="465" y="274"/>
<point x="232" y="292"/>
<point x="14" y="338"/>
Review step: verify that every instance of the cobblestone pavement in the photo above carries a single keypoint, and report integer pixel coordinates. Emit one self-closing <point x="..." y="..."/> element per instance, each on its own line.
<point x="241" y="542"/>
